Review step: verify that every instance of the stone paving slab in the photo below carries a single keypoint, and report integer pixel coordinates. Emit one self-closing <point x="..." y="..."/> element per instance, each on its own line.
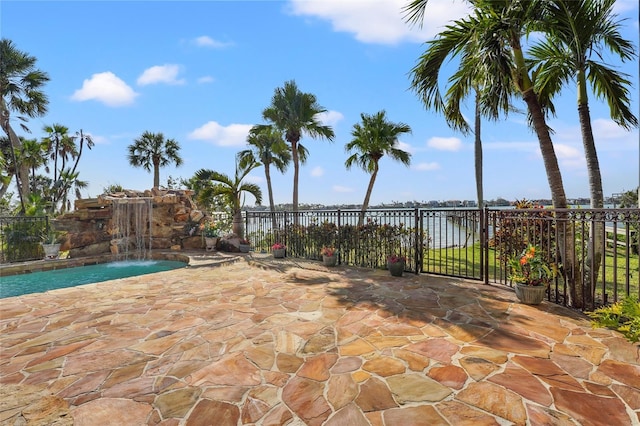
<point x="257" y="340"/>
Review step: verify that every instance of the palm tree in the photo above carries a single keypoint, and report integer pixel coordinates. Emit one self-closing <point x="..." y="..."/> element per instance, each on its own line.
<point x="152" y="151"/>
<point x="577" y="29"/>
<point x="495" y="29"/>
<point x="295" y="113"/>
<point x="60" y="147"/>
<point x="267" y="147"/>
<point x="219" y="185"/>
<point x="372" y="139"/>
<point x="20" y="87"/>
<point x="34" y="154"/>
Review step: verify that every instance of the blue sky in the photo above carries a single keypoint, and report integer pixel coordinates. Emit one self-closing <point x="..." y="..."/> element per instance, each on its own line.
<point x="202" y="72"/>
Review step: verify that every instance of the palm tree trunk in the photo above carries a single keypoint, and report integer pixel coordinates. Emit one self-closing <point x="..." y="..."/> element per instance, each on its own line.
<point x="156" y="175"/>
<point x="478" y="153"/>
<point x="296" y="171"/>
<point x="272" y="207"/>
<point x="596" y="231"/>
<point x="367" y="197"/>
<point x="237" y="226"/>
<point x="22" y="170"/>
<point x="564" y="232"/>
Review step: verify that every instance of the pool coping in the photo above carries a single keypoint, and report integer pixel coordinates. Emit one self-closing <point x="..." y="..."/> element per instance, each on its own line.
<point x="196" y="258"/>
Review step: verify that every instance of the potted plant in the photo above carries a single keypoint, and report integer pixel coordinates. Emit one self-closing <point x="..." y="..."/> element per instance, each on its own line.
<point x="244" y="245"/>
<point x="210" y="234"/>
<point x="395" y="264"/>
<point x="531" y="274"/>
<point x="329" y="256"/>
<point x="51" y="243"/>
<point x="279" y="250"/>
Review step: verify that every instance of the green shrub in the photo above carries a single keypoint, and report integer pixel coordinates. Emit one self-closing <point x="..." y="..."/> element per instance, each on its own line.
<point x="623" y="316"/>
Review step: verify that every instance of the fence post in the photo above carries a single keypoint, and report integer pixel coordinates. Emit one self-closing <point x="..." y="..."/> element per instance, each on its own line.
<point x="484" y="244"/>
<point x="417" y="245"/>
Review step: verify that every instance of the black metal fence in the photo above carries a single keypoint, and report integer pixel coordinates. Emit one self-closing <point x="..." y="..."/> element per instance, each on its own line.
<point x="596" y="250"/>
<point x="471" y="243"/>
<point x="20" y="237"/>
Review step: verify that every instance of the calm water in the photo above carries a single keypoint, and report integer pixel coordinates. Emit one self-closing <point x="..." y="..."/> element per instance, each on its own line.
<point x="38" y="282"/>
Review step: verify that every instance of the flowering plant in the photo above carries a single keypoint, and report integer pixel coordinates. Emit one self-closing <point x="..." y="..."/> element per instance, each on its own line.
<point x="245" y="241"/>
<point x="394" y="258"/>
<point x="328" y="251"/>
<point x="530" y="268"/>
<point x="209" y="229"/>
<point x="278" y="246"/>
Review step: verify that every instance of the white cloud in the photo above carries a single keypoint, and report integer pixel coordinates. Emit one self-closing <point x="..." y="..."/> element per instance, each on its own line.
<point x="607" y="129"/>
<point x="381" y="21"/>
<point x="566" y="152"/>
<point x="329" y="118"/>
<point x="231" y="135"/>
<point x="250" y="178"/>
<point x="206" y="41"/>
<point x="107" y="88"/>
<point x="167" y="73"/>
<point x="98" y="140"/>
<point x="445" y="144"/>
<point x="426" y="167"/>
<point x="206" y="79"/>
<point x="405" y="147"/>
<point x="339" y="188"/>
<point x="317" y="171"/>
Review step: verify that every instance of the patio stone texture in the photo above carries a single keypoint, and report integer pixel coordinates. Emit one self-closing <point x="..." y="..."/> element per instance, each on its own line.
<point x="268" y="341"/>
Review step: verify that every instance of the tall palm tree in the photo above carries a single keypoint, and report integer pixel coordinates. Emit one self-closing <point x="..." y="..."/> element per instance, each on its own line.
<point x="372" y="139"/>
<point x="296" y="114"/>
<point x="579" y="30"/>
<point x="34" y="154"/>
<point x="267" y="147"/>
<point x="495" y="28"/>
<point x="152" y="151"/>
<point x="60" y="147"/>
<point x="230" y="190"/>
<point x="21" y="89"/>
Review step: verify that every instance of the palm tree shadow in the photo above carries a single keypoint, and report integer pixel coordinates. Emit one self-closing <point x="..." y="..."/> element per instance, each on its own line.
<point x="465" y="310"/>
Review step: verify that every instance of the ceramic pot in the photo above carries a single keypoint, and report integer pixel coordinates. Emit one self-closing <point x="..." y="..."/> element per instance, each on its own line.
<point x="396" y="269"/>
<point x="51" y="251"/>
<point x="530" y="294"/>
<point x="278" y="253"/>
<point x="210" y="243"/>
<point x="244" y="248"/>
<point x="330" y="260"/>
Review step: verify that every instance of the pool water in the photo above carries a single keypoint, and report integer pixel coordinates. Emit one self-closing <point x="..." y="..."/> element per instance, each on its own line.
<point x="38" y="282"/>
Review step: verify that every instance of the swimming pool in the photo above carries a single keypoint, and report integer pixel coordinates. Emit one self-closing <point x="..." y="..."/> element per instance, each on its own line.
<point x="38" y="282"/>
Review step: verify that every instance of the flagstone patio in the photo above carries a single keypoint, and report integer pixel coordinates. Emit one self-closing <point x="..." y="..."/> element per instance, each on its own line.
<point x="285" y="342"/>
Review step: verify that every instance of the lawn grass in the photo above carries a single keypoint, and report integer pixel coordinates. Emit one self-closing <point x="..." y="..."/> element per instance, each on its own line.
<point x="623" y="269"/>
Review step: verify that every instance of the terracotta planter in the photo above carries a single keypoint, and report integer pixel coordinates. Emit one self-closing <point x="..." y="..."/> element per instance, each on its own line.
<point x="396" y="269"/>
<point x="279" y="253"/>
<point x="330" y="260"/>
<point x="530" y="294"/>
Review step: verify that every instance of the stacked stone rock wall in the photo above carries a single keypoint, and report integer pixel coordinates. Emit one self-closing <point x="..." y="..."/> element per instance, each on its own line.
<point x="90" y="228"/>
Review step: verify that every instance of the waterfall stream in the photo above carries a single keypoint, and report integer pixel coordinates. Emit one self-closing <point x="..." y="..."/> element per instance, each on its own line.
<point x="132" y="224"/>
